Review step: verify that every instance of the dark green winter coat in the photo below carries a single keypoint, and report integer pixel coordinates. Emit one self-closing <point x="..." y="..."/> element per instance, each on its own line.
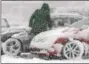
<point x="40" y="20"/>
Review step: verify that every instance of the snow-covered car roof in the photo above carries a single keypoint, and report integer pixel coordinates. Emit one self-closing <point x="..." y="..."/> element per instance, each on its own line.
<point x="4" y="23"/>
<point x="6" y="27"/>
<point x="66" y="14"/>
<point x="81" y="24"/>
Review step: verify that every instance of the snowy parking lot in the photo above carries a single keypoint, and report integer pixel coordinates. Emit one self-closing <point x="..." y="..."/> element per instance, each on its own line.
<point x="16" y="16"/>
<point x="28" y="58"/>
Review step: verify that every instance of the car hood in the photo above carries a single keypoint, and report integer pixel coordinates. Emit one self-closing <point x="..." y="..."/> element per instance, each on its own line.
<point x="56" y="31"/>
<point x="46" y="39"/>
<point x="15" y="29"/>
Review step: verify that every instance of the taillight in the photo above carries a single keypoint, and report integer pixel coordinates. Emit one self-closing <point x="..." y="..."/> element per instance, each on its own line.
<point x="84" y="40"/>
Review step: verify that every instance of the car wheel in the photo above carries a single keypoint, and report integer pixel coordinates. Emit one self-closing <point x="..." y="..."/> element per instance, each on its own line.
<point x="2" y="52"/>
<point x="12" y="47"/>
<point x="73" y="50"/>
<point x="44" y="57"/>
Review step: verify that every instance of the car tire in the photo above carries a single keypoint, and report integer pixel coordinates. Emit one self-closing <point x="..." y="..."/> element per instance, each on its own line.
<point x="73" y="50"/>
<point x="12" y="47"/>
<point x="2" y="48"/>
<point x="2" y="52"/>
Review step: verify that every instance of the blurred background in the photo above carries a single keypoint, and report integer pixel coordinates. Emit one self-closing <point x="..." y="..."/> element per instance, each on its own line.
<point x="19" y="12"/>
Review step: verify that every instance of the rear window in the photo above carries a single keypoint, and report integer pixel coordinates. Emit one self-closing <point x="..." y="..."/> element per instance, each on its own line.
<point x="81" y="23"/>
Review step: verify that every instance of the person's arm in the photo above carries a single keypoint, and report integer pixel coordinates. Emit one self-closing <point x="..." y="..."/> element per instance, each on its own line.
<point x="49" y="21"/>
<point x="31" y="20"/>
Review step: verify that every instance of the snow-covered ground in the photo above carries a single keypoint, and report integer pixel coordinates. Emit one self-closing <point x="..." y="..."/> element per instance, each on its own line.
<point x="20" y="12"/>
<point x="29" y="59"/>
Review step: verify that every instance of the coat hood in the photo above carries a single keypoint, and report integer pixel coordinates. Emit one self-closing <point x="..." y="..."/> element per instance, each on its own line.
<point x="45" y="6"/>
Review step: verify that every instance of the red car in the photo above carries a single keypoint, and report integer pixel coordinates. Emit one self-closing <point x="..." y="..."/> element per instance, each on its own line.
<point x="70" y="42"/>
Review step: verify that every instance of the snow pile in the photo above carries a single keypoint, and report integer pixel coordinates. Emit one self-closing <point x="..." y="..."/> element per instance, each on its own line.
<point x="8" y="59"/>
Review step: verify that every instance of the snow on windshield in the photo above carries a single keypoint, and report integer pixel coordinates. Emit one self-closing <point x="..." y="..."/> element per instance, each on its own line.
<point x="81" y="23"/>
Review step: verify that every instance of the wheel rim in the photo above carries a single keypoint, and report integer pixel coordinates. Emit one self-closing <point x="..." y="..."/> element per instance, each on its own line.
<point x="13" y="47"/>
<point x="71" y="51"/>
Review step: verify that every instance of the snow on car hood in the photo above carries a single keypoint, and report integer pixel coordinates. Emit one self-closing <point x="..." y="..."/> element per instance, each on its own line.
<point x="84" y="33"/>
<point x="15" y="29"/>
<point x="46" y="39"/>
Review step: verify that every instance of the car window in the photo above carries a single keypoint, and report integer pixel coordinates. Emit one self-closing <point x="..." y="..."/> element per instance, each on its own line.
<point x="4" y="23"/>
<point x="81" y="23"/>
<point x="84" y="26"/>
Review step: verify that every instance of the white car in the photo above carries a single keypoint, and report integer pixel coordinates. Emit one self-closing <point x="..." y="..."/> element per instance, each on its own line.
<point x="70" y="42"/>
<point x="65" y="19"/>
<point x="15" y="39"/>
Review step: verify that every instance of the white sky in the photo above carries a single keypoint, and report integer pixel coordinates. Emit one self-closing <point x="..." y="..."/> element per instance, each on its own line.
<point x="20" y="11"/>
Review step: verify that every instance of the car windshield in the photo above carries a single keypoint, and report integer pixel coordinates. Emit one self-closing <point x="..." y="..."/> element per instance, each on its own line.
<point x="81" y="24"/>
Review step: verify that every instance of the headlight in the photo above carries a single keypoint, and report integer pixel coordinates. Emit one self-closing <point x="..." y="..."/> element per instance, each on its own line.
<point x="39" y="40"/>
<point x="42" y="37"/>
<point x="15" y="35"/>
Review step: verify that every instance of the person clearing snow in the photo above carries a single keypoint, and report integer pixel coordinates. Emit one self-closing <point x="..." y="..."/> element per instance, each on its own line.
<point x="40" y="19"/>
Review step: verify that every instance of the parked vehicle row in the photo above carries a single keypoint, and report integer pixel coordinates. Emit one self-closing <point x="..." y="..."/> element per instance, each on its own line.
<point x="70" y="42"/>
